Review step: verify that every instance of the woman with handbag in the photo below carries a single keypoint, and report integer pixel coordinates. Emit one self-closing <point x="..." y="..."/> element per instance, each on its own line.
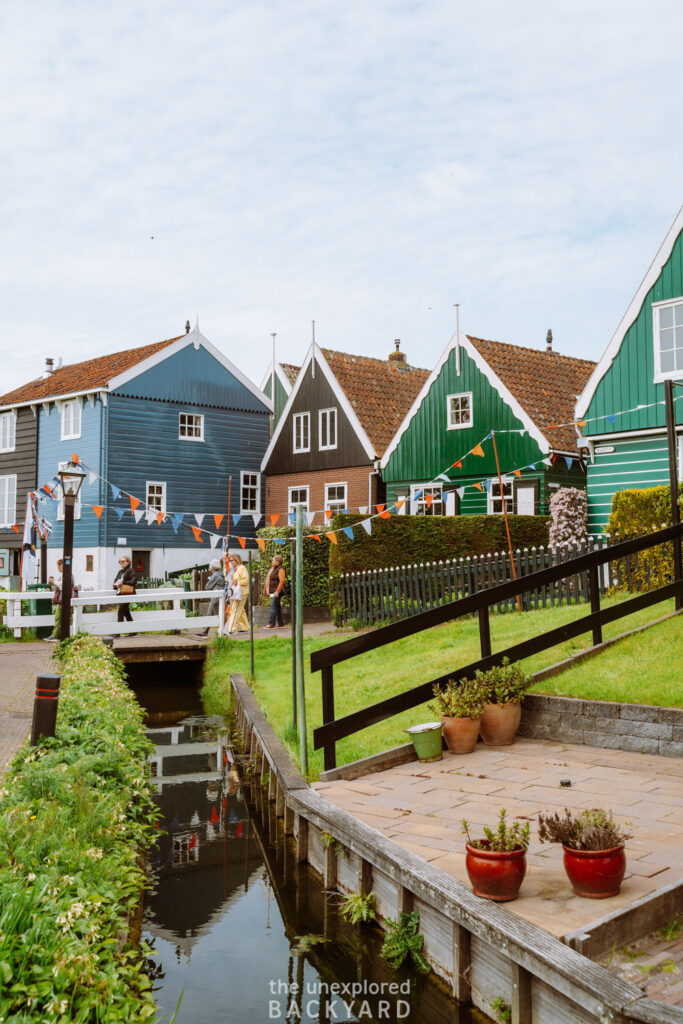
<point x="239" y="583"/>
<point x="125" y="583"/>
<point x="56" y="582"/>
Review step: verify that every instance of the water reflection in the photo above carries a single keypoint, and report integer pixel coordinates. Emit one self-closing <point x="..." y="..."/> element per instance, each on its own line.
<point x="250" y="935"/>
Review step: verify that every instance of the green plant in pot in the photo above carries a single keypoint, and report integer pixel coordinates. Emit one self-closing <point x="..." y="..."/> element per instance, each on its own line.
<point x="496" y="863"/>
<point x="505" y="686"/>
<point x="460" y="705"/>
<point x="593" y="845"/>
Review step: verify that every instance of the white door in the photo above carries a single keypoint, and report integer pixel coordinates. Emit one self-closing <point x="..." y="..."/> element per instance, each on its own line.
<point x="525" y="501"/>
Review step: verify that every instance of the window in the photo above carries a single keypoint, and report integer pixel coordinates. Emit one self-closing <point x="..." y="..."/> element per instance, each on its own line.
<point x="426" y="500"/>
<point x="327" y="429"/>
<point x="302" y="432"/>
<point x="156" y="495"/>
<point x="89" y="563"/>
<point x="495" y="501"/>
<point x="459" y="410"/>
<point x="77" y="506"/>
<point x="251" y="492"/>
<point x="190" y="427"/>
<point x="8" y="500"/>
<point x="667" y="331"/>
<point x="8" y="431"/>
<point x="297" y="496"/>
<point x="335" y="497"/>
<point x="71" y="420"/>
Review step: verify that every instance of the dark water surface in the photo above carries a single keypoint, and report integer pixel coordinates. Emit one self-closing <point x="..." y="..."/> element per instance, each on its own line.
<point x="246" y="934"/>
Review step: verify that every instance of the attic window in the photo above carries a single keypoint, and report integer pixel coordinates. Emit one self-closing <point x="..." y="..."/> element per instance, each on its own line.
<point x="667" y="333"/>
<point x="8" y="431"/>
<point x="71" y="420"/>
<point x="459" y="410"/>
<point x="190" y="427"/>
<point x="302" y="432"/>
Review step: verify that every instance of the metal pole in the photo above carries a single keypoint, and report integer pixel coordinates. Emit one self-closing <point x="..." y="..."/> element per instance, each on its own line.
<point x="673" y="480"/>
<point x="67" y="576"/>
<point x="505" y="516"/>
<point x="292" y="612"/>
<point x="45" y="707"/>
<point x="303" y="740"/>
<point x="251" y="619"/>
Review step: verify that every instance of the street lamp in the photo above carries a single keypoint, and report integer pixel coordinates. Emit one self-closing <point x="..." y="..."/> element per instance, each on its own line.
<point x="71" y="478"/>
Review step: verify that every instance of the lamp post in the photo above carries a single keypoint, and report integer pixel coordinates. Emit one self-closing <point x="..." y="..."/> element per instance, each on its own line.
<point x="71" y="479"/>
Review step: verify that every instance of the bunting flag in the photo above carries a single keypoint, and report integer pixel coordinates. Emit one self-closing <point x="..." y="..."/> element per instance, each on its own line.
<point x="176" y="520"/>
<point x="309" y="516"/>
<point x="214" y="539"/>
<point x="429" y="498"/>
<point x="442" y="476"/>
<point x="328" y="514"/>
<point x="274" y="516"/>
<point x="553" y="458"/>
<point x="150" y="516"/>
<point x="278" y="540"/>
<point x="522" y="432"/>
<point x="380" y="509"/>
<point x="315" y="536"/>
<point x="235" y="518"/>
<point x="457" y="465"/>
<point x="400" y="503"/>
<point x="134" y="502"/>
<point x="261" y="543"/>
<point x="612" y="418"/>
<point x="92" y="477"/>
<point x="115" y="491"/>
<point x="346" y="511"/>
<point x="242" y="542"/>
<point x="332" y="537"/>
<point x="367" y="526"/>
<point x="199" y="516"/>
<point x="292" y="518"/>
<point x="548" y="462"/>
<point x="197" y="534"/>
<point x="487" y="485"/>
<point x="418" y="494"/>
<point x="256" y="517"/>
<point x="582" y="423"/>
<point x="160" y="518"/>
<point x="29" y="559"/>
<point x="478" y="450"/>
<point x="478" y="486"/>
<point x="517" y="472"/>
<point x="139" y="513"/>
<point x="348" y="530"/>
<point x="385" y="515"/>
<point x="363" y="509"/>
<point x="532" y="465"/>
<point x="15" y="528"/>
<point x="218" y="519"/>
<point x="98" y="510"/>
<point x="120" y="513"/>
<point x="460" y="491"/>
<point x="569" y="461"/>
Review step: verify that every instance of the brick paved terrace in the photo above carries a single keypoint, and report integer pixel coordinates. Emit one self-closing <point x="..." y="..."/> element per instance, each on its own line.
<point x="19" y="666"/>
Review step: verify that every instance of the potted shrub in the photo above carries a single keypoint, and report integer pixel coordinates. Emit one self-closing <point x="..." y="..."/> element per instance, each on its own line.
<point x="460" y="706"/>
<point x="505" y="686"/>
<point x="593" y="844"/>
<point x="496" y="864"/>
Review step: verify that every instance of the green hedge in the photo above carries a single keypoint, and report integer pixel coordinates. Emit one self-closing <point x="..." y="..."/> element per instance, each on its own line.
<point x="75" y="814"/>
<point x="634" y="514"/>
<point x="316" y="564"/>
<point x="404" y="540"/>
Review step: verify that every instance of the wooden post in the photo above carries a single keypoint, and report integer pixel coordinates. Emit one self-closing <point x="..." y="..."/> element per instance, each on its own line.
<point x="301" y="838"/>
<point x="330" y="749"/>
<point x="45" y="707"/>
<point x="521" y="995"/>
<point x="484" y="632"/>
<point x="300" y="693"/>
<point x="673" y="480"/>
<point x="462" y="962"/>
<point x="251" y="619"/>
<point x="594" y="585"/>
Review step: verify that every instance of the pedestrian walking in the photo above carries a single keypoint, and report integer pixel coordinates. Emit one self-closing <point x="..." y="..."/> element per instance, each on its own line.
<point x="216" y="581"/>
<point x="274" y="587"/>
<point x="239" y="582"/>
<point x="125" y="582"/>
<point x="56" y="582"/>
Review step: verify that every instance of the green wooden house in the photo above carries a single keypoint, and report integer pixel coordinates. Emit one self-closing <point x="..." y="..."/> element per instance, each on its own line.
<point x="442" y="459"/>
<point x="280" y="380"/>
<point x="620" y="411"/>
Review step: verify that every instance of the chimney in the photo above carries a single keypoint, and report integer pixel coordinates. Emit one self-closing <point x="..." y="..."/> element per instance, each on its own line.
<point x="49" y="364"/>
<point x="187" y="327"/>
<point x="549" y="341"/>
<point x="398" y="356"/>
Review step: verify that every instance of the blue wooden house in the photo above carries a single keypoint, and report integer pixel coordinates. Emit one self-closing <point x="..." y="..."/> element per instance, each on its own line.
<point x="166" y="433"/>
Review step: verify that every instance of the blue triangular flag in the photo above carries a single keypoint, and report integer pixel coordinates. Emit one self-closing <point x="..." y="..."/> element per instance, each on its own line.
<point x="486" y="484"/>
<point x="418" y="494"/>
<point x="176" y="520"/>
<point x="367" y="525"/>
<point x="346" y="511"/>
<point x="532" y="465"/>
<point x="236" y="519"/>
<point x="115" y="491"/>
<point x="278" y="540"/>
<point x="612" y="418"/>
<point x="348" y="530"/>
<point x="292" y="518"/>
<point x="120" y="512"/>
<point x="569" y="461"/>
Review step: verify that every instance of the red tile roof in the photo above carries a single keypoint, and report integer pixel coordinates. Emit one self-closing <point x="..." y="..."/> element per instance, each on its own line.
<point x="546" y="385"/>
<point x="291" y="372"/>
<point x="381" y="392"/>
<point x="85" y="376"/>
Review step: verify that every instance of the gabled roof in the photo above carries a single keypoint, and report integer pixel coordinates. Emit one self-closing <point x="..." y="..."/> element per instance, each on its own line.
<point x="77" y="378"/>
<point x="291" y="372"/>
<point x="630" y="315"/>
<point x="375" y="395"/>
<point x="286" y="374"/>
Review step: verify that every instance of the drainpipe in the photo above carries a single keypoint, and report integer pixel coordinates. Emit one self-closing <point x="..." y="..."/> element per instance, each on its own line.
<point x="372" y="473"/>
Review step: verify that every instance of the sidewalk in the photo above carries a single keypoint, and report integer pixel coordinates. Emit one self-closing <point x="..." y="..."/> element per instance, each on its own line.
<point x="19" y="666"/>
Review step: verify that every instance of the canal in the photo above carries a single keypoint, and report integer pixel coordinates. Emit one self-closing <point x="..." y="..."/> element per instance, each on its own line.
<point x="241" y="933"/>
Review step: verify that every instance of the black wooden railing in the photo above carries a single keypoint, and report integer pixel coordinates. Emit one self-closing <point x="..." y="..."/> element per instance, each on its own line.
<point x="332" y="730"/>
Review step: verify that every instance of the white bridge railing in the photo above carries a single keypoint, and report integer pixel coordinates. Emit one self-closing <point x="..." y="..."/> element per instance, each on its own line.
<point x="104" y="622"/>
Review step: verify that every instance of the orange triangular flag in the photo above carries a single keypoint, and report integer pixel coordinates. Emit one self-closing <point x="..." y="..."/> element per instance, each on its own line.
<point x="517" y="472"/>
<point x="582" y="423"/>
<point x="477" y="450"/>
<point x="74" y="458"/>
<point x="400" y="503"/>
<point x="332" y="537"/>
<point x="98" y="510"/>
<point x="261" y="543"/>
<point x="218" y="520"/>
<point x="457" y="465"/>
<point x="478" y="486"/>
<point x="328" y="514"/>
<point x="15" y="528"/>
<point x="242" y="540"/>
<point x="315" y="536"/>
<point x="429" y="498"/>
<point x="380" y="508"/>
<point x="197" y="534"/>
<point x="274" y="516"/>
<point x="134" y="502"/>
<point x="160" y="518"/>
<point x="385" y="515"/>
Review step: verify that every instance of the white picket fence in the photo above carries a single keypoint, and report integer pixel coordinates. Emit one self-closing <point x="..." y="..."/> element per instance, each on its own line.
<point x="104" y="623"/>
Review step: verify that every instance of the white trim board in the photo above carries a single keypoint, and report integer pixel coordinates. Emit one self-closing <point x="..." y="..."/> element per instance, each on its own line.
<point x="316" y="353"/>
<point x="629" y="316"/>
<point x="493" y="379"/>
<point x="281" y="376"/>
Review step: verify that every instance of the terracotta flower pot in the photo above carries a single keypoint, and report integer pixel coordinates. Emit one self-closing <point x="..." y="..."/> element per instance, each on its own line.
<point x="595" y="874"/>
<point x="461" y="734"/>
<point x="499" y="723"/>
<point x="496" y="876"/>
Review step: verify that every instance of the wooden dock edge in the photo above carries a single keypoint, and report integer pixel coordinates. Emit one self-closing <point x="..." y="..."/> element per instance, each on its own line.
<point x="628" y="924"/>
<point x="481" y="949"/>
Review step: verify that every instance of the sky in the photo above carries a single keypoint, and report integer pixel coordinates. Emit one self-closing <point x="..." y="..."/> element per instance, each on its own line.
<point x="261" y="165"/>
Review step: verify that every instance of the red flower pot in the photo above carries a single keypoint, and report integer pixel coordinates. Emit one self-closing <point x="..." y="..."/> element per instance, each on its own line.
<point x="499" y="724"/>
<point x="461" y="734"/>
<point x="595" y="874"/>
<point x="496" y="876"/>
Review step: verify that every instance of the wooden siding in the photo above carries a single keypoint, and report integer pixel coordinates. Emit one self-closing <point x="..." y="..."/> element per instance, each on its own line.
<point x="427" y="447"/>
<point x="144" y="445"/>
<point x="636" y="462"/>
<point x="281" y="397"/>
<point x="315" y="393"/>
<point x="23" y="462"/>
<point x="51" y="451"/>
<point x="629" y="380"/>
<point x="193" y="377"/>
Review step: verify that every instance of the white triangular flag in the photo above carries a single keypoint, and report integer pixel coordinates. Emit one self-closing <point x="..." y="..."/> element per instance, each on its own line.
<point x="310" y="516"/>
<point x="199" y="516"/>
<point x="256" y="516"/>
<point x="92" y="477"/>
<point x="215" y="537"/>
<point x="139" y="513"/>
<point x="461" y="491"/>
<point x="367" y="525"/>
<point x="363" y="511"/>
<point x="151" y="516"/>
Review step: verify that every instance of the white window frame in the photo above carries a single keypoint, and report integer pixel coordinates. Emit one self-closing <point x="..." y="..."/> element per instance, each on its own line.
<point x="459" y="426"/>
<point x="77" y="506"/>
<point x="8" y="431"/>
<point x="190" y="437"/>
<point x="291" y="504"/>
<point x="337" y="501"/>
<point x="508" y="499"/>
<point x="297" y="418"/>
<point x="243" y="508"/>
<point x="330" y="417"/>
<point x="71" y="430"/>
<point x="162" y="496"/>
<point x="418" y="506"/>
<point x="8" y="508"/>
<point x="662" y="375"/>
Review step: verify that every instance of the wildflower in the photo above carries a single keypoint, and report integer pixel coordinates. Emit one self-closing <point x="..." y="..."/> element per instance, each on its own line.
<point x="30" y="877"/>
<point x="95" y="853"/>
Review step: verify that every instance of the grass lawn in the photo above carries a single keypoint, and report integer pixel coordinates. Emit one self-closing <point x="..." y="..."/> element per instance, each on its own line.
<point x="371" y="677"/>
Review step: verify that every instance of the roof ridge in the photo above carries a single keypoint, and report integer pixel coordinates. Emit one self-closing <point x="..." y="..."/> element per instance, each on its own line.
<point x="374" y="359"/>
<point x="528" y="348"/>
